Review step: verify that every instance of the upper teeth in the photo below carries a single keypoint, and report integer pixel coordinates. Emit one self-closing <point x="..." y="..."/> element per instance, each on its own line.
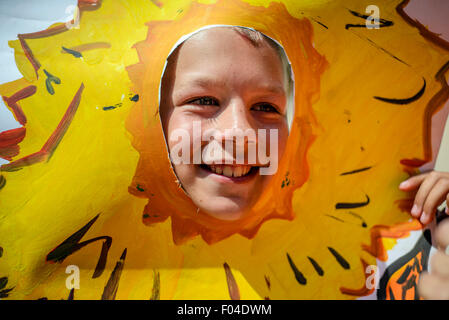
<point x="230" y="171"/>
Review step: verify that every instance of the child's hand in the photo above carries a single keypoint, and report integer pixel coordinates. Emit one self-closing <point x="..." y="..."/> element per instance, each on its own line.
<point x="435" y="285"/>
<point x="433" y="190"/>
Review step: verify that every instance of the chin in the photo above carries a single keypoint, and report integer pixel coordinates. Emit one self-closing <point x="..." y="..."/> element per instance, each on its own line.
<point x="228" y="210"/>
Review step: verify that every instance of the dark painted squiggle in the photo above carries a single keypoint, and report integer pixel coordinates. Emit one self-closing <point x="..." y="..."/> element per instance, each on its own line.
<point x="352" y="205"/>
<point x="406" y="100"/>
<point x="298" y="274"/>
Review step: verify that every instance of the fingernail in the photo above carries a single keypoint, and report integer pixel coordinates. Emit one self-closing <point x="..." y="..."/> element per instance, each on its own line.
<point x="415" y="210"/>
<point x="403" y="184"/>
<point x="423" y="218"/>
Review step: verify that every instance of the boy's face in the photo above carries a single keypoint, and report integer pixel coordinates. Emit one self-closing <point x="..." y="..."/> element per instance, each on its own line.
<point x="222" y="81"/>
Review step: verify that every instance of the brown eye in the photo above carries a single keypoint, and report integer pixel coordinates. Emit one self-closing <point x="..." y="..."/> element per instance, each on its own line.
<point x="205" y="101"/>
<point x="265" y="107"/>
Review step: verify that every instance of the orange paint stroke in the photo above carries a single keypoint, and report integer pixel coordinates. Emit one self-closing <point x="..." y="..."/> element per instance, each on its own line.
<point x="364" y="290"/>
<point x="434" y="104"/>
<point x="401" y="230"/>
<point x="50" y="146"/>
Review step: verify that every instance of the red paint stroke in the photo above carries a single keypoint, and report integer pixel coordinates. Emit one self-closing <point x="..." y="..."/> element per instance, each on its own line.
<point x="406" y="204"/>
<point x="9" y="152"/>
<point x="158" y="3"/>
<point x="88" y="4"/>
<point x="414" y="163"/>
<point x="11" y="137"/>
<point x="9" y="141"/>
<point x="11" y="102"/>
<point x="364" y="290"/>
<point x="82" y="5"/>
<point x="35" y="35"/>
<point x="426" y="33"/>
<point x="89" y="46"/>
<point x="50" y="146"/>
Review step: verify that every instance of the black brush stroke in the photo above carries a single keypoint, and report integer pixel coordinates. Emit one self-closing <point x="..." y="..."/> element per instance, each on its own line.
<point x="51" y="78"/>
<point x="110" y="290"/>
<point x="298" y="274"/>
<point x="355" y="171"/>
<point x="352" y="205"/>
<point x="73" y="244"/>
<point x="5" y="293"/>
<point x="316" y="266"/>
<point x="334" y="217"/>
<point x="3" y="282"/>
<point x="364" y="225"/>
<point x="321" y="24"/>
<point x="74" y="53"/>
<point x="342" y="261"/>
<point x="134" y="98"/>
<point x="71" y="294"/>
<point x="382" y="22"/>
<point x="406" y="100"/>
<point x="2" y="182"/>
<point x="267" y="281"/>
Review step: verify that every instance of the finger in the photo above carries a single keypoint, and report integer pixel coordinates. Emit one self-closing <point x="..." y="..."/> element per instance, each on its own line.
<point x="442" y="235"/>
<point x="447" y="204"/>
<point x="423" y="192"/>
<point x="435" y="197"/>
<point x="440" y="264"/>
<point x="413" y="182"/>
<point x="432" y="287"/>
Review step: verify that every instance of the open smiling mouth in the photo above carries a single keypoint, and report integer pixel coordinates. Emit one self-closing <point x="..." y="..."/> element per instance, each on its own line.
<point x="231" y="171"/>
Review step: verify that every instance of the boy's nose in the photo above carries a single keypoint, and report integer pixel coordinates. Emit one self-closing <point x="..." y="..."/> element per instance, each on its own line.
<point x="234" y="118"/>
<point x="234" y="125"/>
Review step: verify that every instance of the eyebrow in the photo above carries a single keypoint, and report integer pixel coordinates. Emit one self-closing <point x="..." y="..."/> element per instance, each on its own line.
<point x="206" y="82"/>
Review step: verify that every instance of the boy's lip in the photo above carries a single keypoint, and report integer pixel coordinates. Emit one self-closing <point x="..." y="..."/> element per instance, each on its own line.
<point x="214" y="171"/>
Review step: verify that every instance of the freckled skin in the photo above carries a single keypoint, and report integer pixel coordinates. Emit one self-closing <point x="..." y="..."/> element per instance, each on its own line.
<point x="238" y="76"/>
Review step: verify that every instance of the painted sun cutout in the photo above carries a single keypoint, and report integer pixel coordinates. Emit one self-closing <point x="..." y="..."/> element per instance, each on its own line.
<point x="78" y="187"/>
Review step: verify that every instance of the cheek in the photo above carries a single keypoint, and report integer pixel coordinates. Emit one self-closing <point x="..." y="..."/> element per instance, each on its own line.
<point x="179" y="130"/>
<point x="282" y="136"/>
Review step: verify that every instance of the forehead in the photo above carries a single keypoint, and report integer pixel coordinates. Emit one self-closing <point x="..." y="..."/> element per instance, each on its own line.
<point x="221" y="48"/>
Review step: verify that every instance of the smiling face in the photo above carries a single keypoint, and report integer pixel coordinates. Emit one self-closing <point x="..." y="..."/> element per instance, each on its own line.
<point x="223" y="81"/>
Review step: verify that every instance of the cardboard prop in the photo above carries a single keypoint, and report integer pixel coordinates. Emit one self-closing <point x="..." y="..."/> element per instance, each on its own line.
<point x="90" y="184"/>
